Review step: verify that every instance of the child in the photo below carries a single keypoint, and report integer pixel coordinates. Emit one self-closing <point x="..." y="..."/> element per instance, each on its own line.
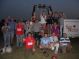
<point x="29" y="42"/>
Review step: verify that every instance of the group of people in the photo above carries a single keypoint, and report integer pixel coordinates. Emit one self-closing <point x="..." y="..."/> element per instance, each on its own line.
<point x="43" y="33"/>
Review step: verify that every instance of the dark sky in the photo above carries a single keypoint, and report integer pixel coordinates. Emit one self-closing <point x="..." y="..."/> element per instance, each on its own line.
<point x="24" y="7"/>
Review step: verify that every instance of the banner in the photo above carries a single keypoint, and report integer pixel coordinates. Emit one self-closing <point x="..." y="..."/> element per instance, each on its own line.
<point x="71" y="27"/>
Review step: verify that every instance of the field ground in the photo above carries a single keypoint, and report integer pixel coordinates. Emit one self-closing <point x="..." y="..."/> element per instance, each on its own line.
<point x="19" y="53"/>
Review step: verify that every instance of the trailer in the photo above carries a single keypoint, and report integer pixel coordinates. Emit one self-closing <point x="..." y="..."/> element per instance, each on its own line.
<point x="70" y="27"/>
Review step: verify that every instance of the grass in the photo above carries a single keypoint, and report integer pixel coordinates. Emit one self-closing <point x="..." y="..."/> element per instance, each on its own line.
<point x="19" y="53"/>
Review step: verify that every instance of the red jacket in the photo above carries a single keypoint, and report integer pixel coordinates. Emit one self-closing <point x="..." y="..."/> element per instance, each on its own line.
<point x="29" y="42"/>
<point x="19" y="29"/>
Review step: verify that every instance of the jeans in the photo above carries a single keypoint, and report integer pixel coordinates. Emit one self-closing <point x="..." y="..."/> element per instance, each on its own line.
<point x="6" y="39"/>
<point x="11" y="36"/>
<point x="19" y="40"/>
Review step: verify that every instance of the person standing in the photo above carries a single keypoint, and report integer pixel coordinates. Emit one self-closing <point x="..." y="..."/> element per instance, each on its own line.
<point x="28" y="27"/>
<point x="12" y="29"/>
<point x="49" y="21"/>
<point x="43" y="18"/>
<point x="36" y="29"/>
<point x="19" y="33"/>
<point x="6" y="35"/>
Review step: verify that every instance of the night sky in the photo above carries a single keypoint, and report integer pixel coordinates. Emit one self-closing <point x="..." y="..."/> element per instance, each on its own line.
<point x="24" y="7"/>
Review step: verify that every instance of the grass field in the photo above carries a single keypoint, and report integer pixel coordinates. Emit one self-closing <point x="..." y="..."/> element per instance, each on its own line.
<point x="19" y="53"/>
